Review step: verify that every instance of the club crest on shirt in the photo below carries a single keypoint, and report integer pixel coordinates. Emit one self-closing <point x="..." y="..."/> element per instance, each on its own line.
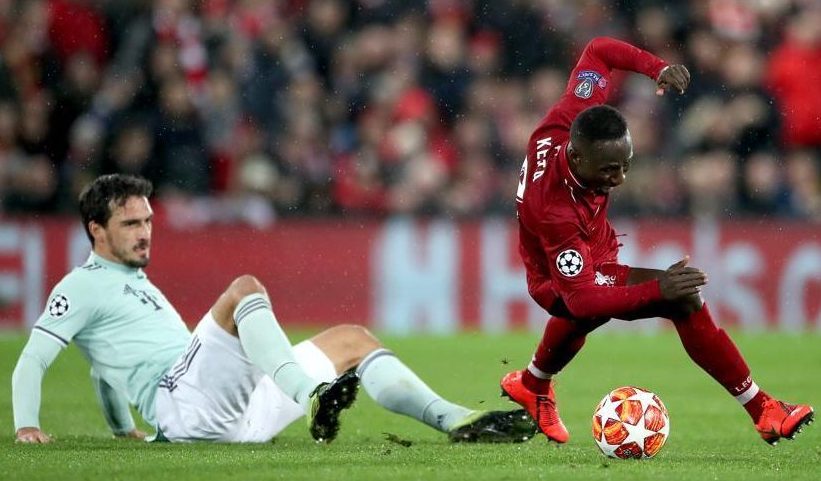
<point x="604" y="279"/>
<point x="569" y="262"/>
<point x="58" y="306"/>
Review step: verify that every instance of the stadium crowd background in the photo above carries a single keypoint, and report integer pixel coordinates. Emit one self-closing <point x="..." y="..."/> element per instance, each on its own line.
<point x="250" y="110"/>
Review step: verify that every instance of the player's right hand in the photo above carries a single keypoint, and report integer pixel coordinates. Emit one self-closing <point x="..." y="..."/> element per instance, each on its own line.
<point x="32" y="436"/>
<point x="680" y="281"/>
<point x="133" y="434"/>
<point x="673" y="77"/>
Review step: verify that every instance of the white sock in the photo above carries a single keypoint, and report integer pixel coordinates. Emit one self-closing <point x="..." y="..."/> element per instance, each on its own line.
<point x="396" y="388"/>
<point x="748" y="395"/>
<point x="538" y="373"/>
<point x="267" y="347"/>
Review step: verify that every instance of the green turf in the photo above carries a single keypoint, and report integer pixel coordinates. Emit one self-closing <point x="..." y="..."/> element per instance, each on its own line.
<point x="711" y="437"/>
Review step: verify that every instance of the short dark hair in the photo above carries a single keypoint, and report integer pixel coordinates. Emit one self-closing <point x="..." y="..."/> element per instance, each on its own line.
<point x="601" y="122"/>
<point x="97" y="197"/>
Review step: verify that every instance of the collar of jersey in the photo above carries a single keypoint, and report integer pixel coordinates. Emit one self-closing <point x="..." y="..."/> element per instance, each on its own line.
<point x="115" y="265"/>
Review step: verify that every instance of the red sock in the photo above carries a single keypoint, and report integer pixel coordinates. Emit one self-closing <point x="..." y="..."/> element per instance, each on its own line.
<point x="713" y="350"/>
<point x="561" y="340"/>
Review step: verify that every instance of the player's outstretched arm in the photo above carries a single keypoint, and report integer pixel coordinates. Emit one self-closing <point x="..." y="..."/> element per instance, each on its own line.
<point x="26" y="385"/>
<point x="591" y="78"/>
<point x="610" y="53"/>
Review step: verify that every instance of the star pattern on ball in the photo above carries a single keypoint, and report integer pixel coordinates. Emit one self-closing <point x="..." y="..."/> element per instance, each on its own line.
<point x="608" y="409"/>
<point x="635" y="434"/>
<point x="645" y="397"/>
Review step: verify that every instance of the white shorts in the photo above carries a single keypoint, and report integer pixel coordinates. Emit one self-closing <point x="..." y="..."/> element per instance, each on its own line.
<point x="214" y="393"/>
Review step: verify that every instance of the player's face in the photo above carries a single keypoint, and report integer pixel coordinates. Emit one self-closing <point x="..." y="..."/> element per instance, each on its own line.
<point x="126" y="238"/>
<point x="603" y="165"/>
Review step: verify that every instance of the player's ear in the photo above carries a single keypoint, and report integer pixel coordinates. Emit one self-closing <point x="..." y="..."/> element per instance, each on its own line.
<point x="97" y="230"/>
<point x="572" y="154"/>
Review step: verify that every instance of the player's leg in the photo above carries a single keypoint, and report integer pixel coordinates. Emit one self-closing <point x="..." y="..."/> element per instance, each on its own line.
<point x="394" y="386"/>
<point x="270" y="410"/>
<point x="244" y="310"/>
<point x="564" y="336"/>
<point x="712" y="349"/>
<point x="532" y="387"/>
<point x="562" y="339"/>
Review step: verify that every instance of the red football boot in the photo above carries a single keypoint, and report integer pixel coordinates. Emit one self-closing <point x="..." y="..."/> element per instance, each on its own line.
<point x="782" y="420"/>
<point x="540" y="407"/>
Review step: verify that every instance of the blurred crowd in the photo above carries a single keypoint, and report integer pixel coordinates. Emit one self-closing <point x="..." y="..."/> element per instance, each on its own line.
<point x="250" y="110"/>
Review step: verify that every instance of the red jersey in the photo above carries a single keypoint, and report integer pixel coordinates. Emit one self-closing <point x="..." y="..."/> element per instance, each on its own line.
<point x="564" y="234"/>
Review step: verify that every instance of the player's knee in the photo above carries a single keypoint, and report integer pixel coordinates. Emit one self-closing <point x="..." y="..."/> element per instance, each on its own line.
<point x="359" y="339"/>
<point x="245" y="285"/>
<point x="346" y="345"/>
<point x="355" y="341"/>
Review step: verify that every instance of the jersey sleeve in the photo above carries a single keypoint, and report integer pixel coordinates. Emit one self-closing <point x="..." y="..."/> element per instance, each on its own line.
<point x="590" y="81"/>
<point x="27" y="379"/>
<point x="569" y="258"/>
<point x="70" y="307"/>
<point x="573" y="277"/>
<point x="68" y="310"/>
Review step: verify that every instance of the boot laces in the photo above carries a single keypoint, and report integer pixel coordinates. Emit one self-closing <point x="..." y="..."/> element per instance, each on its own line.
<point x="547" y="410"/>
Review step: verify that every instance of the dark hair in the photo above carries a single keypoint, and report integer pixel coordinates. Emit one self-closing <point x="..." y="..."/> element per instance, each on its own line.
<point x="601" y="122"/>
<point x="98" y="197"/>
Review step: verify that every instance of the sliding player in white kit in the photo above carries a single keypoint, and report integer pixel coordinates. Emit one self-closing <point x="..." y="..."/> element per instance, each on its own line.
<point x="236" y="378"/>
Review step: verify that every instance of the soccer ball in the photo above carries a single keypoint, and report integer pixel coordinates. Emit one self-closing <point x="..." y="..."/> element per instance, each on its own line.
<point x="630" y="422"/>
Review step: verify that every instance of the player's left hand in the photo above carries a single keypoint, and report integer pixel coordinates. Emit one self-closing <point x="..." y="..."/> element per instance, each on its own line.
<point x="673" y="77"/>
<point x="133" y="434"/>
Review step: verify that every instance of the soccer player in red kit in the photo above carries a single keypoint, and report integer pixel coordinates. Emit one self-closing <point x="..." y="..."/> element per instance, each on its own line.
<point x="577" y="154"/>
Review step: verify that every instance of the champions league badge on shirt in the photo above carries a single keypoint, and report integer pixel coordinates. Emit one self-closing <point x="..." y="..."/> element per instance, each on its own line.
<point x="589" y="79"/>
<point x="58" y="306"/>
<point x="569" y="262"/>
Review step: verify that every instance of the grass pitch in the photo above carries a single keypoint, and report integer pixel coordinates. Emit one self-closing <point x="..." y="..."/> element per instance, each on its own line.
<point x="711" y="436"/>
